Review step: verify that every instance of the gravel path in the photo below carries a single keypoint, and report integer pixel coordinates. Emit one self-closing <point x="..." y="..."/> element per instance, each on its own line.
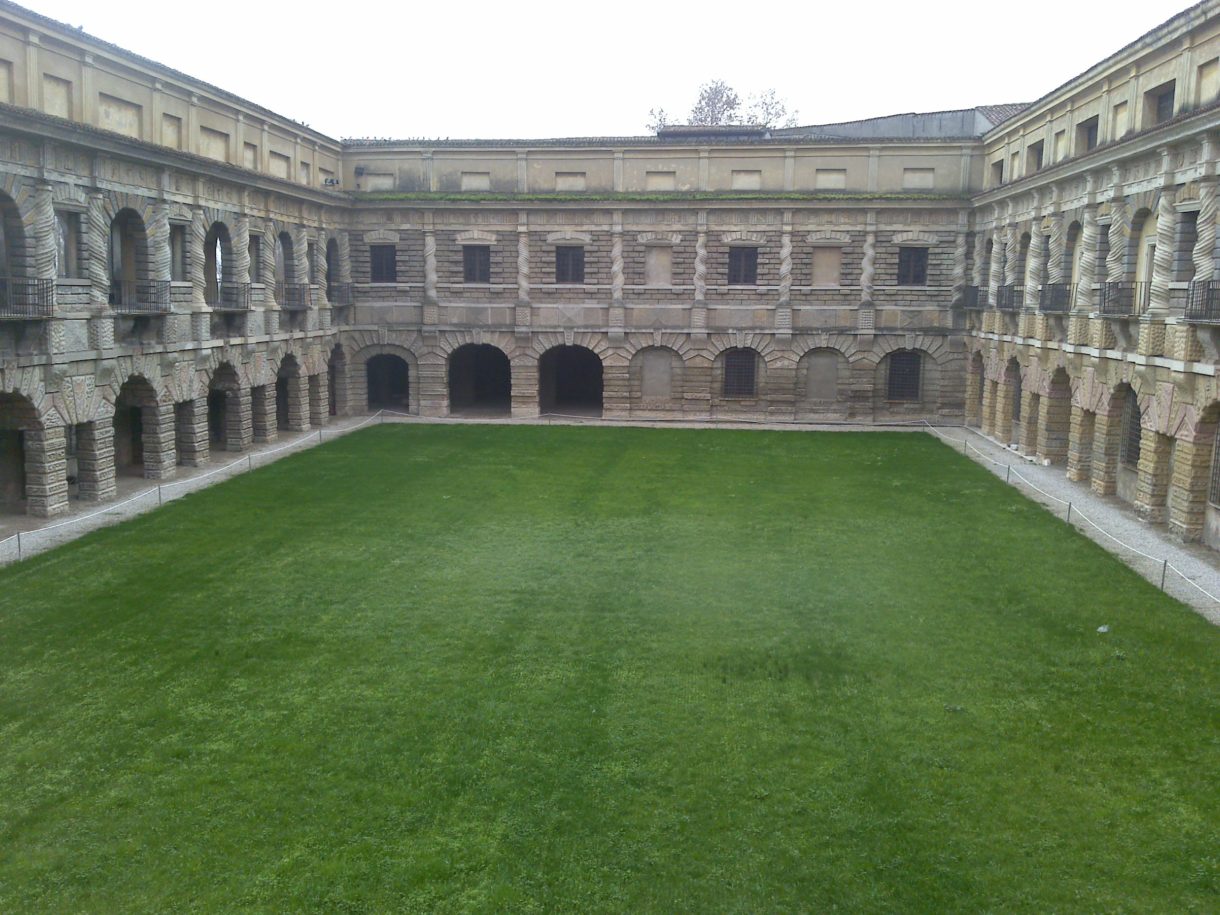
<point x="1191" y="571"/>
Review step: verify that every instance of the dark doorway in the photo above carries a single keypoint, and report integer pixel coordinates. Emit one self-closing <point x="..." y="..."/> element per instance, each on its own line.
<point x="570" y="381"/>
<point x="218" y="403"/>
<point x="480" y="381"/>
<point x="389" y="380"/>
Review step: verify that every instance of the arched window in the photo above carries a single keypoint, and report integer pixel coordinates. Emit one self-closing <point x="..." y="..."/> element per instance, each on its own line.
<point x="1129" y="447"/>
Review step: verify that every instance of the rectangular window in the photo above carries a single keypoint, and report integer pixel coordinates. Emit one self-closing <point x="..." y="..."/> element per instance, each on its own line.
<point x="1061" y="145"/>
<point x="56" y="96"/>
<point x="903" y="382"/>
<point x="177" y="253"/>
<point x="827" y="266"/>
<point x="1207" y="83"/>
<point x="279" y="165"/>
<point x="569" y="263"/>
<point x="1033" y="157"/>
<point x="1014" y="166"/>
<point x="67" y="244"/>
<point x="660" y="181"/>
<point x="171" y="131"/>
<point x="476" y="263"/>
<point x="743" y="266"/>
<point x="383" y="263"/>
<point x="740" y="371"/>
<point x="569" y="181"/>
<point x="1120" y="121"/>
<point x="747" y="180"/>
<point x="6" y="81"/>
<point x="830" y="179"/>
<point x="249" y="156"/>
<point x="303" y="172"/>
<point x="256" y="259"/>
<point x="912" y="266"/>
<point x="214" y="144"/>
<point x="1086" y="135"/>
<point x="918" y="178"/>
<point x="658" y="265"/>
<point x="1159" y="104"/>
<point x="997" y="172"/>
<point x="476" y="181"/>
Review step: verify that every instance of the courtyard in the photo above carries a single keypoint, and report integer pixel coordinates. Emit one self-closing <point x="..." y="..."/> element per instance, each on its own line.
<point x="443" y="667"/>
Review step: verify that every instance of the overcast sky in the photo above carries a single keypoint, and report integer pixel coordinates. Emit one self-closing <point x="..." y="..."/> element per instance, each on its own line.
<point x="519" y="69"/>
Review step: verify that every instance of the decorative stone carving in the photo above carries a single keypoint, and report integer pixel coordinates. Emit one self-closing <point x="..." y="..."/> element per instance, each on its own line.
<point x="785" y="270"/>
<point x="1057" y="249"/>
<point x="743" y="238"/>
<point x="566" y="236"/>
<point x="1119" y="235"/>
<point x="959" y="267"/>
<point x="616" y="265"/>
<point x="381" y="237"/>
<point x="828" y="239"/>
<point x="475" y="237"/>
<point x="1204" y="253"/>
<point x="98" y="246"/>
<point x="1162" y="261"/>
<point x="659" y="238"/>
<point x="701" y="267"/>
<point x="194" y="258"/>
<point x="868" y="267"/>
<point x="914" y="238"/>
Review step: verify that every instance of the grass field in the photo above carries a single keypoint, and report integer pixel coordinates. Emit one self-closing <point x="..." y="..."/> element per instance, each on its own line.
<point x="523" y="668"/>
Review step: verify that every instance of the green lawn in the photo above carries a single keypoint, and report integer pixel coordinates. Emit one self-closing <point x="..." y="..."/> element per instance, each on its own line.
<point x="586" y="669"/>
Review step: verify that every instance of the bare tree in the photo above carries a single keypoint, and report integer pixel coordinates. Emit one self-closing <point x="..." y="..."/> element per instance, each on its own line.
<point x="719" y="104"/>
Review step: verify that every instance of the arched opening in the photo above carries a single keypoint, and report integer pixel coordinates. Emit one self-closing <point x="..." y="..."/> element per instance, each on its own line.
<point x="480" y="381"/>
<point x="12" y="244"/>
<point x="128" y="257"/>
<point x="985" y="272"/>
<point x="389" y="382"/>
<point x="283" y="259"/>
<point x="1056" y="430"/>
<point x="332" y="263"/>
<point x="1072" y="252"/>
<point x="287" y="394"/>
<point x="1130" y="435"/>
<point x="17" y="417"/>
<point x="1022" y="259"/>
<point x="223" y="388"/>
<point x="1142" y="252"/>
<point x="570" y="381"/>
<point x="219" y="282"/>
<point x="131" y="423"/>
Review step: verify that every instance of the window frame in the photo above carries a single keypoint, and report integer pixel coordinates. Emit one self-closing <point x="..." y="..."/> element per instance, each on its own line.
<point x="569" y="265"/>
<point x="905" y="386"/>
<point x="742" y="265"/>
<point x="379" y="267"/>
<point x="737" y="384"/>
<point x="912" y="273"/>
<point x="476" y="265"/>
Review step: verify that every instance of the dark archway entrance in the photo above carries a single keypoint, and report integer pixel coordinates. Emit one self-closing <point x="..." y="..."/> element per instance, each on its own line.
<point x="389" y="381"/>
<point x="135" y="396"/>
<point x="480" y="381"/>
<point x="570" y="381"/>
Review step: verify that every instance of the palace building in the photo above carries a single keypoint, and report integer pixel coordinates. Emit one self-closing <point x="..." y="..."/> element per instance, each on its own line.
<point x="184" y="272"/>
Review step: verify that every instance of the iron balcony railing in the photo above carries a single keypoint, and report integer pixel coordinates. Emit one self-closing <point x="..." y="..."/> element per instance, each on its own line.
<point x="1056" y="298"/>
<point x="1203" y="302"/>
<point x="24" y="299"/>
<point x="150" y="297"/>
<point x="975" y="298"/>
<point x="294" y="296"/>
<point x="1124" y="298"/>
<point x="1010" y="298"/>
<point x="339" y="293"/>
<point x="230" y="297"/>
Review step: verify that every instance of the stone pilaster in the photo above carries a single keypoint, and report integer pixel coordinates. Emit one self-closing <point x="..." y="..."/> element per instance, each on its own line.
<point x="1054" y="428"/>
<point x="974" y="391"/>
<point x="1030" y="415"/>
<point x="160" y="456"/>
<point x="1003" y="412"/>
<point x="1152" y="486"/>
<point x="1188" y="488"/>
<point x="524" y="371"/>
<point x="239" y="427"/>
<point x="264" y="425"/>
<point x="298" y="402"/>
<point x="46" y="472"/>
<point x="319" y="400"/>
<point x="194" y="445"/>
<point x="989" y="399"/>
<point x="1080" y="444"/>
<point x="95" y="470"/>
<point x="1107" y="433"/>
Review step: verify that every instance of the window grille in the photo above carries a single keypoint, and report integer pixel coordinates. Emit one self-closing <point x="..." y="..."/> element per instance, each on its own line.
<point x="1164" y="106"/>
<point x="383" y="263"/>
<point x="740" y="373"/>
<point x="569" y="264"/>
<point x="476" y="263"/>
<point x="743" y="266"/>
<point x="912" y="266"/>
<point x="1213" y="485"/>
<point x="1129" y="450"/>
<point x="904" y="376"/>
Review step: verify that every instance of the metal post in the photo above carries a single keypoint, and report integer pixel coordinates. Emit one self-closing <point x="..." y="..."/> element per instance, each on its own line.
<point x="249" y="462"/>
<point x="963" y="445"/>
<point x="319" y="435"/>
<point x="159" y="502"/>
<point x="1008" y="473"/>
<point x="19" y="546"/>
<point x="1164" y="569"/>
<point x="1069" y="517"/>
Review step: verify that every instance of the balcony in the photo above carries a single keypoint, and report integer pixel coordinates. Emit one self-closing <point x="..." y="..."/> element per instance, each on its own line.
<point x="1056" y="298"/>
<point x="230" y="297"/>
<point x="1203" y="302"/>
<point x="339" y="293"/>
<point x="146" y="298"/>
<point x="294" y="296"/>
<point x="975" y="298"/>
<point x="1124" y="299"/>
<point x="1010" y="298"/>
<point x="26" y="300"/>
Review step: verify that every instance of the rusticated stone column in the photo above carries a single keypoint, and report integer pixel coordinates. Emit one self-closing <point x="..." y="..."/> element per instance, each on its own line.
<point x="319" y="400"/>
<point x="1030" y="409"/>
<point x="194" y="446"/>
<point x="46" y="471"/>
<point x="160" y="456"/>
<point x="95" y="470"/>
<point x="1054" y="427"/>
<point x="298" y="402"/>
<point x="1152" y="484"/>
<point x="238" y="425"/>
<point x="1080" y="444"/>
<point x="1188" y="490"/>
<point x="1107" y="435"/>
<point x="989" y="399"/>
<point x="524" y="370"/>
<point x="263" y="421"/>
